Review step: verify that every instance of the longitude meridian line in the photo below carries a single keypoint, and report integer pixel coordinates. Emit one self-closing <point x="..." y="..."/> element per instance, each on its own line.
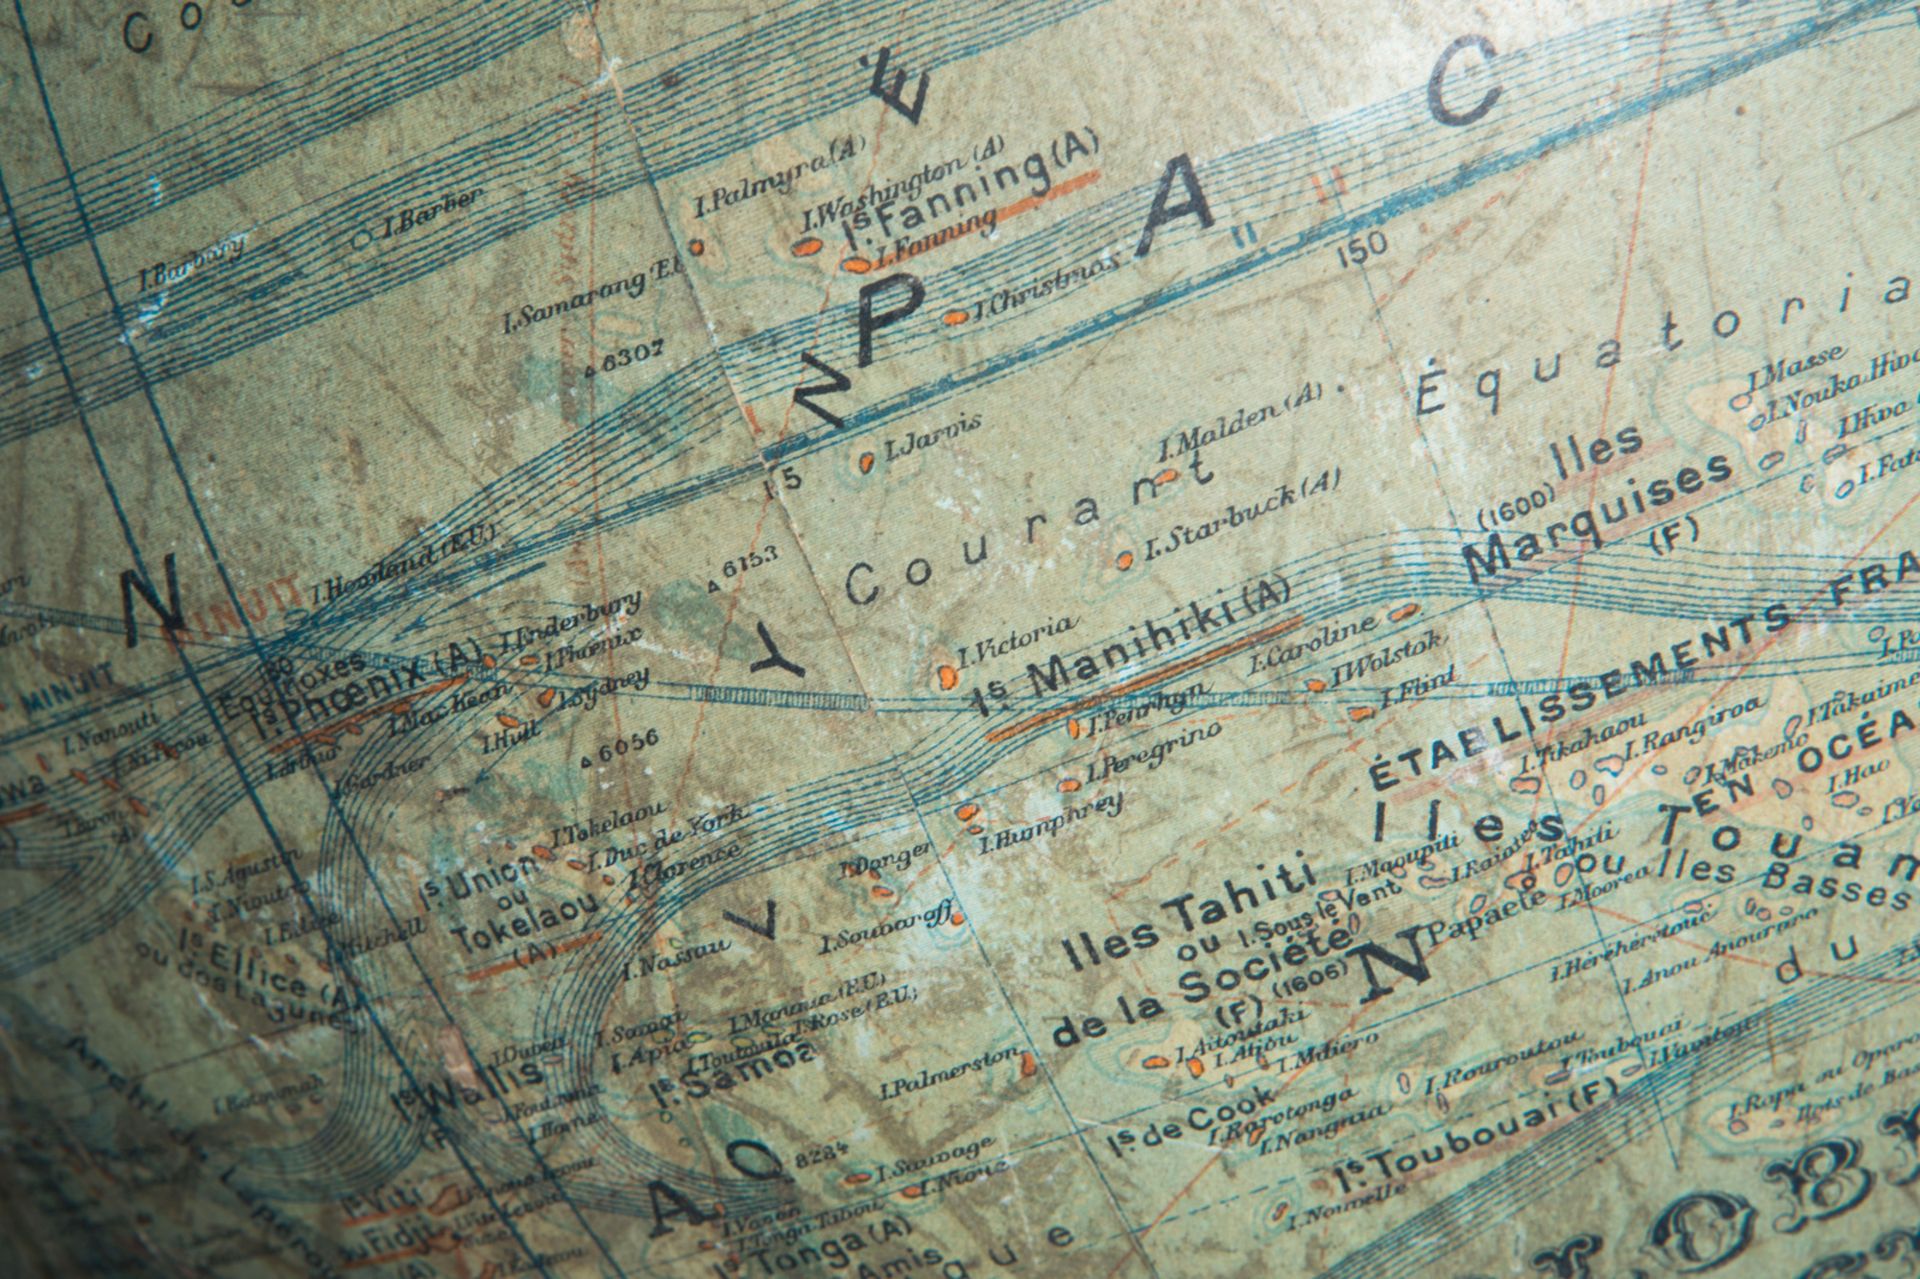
<point x="594" y="446"/>
<point x="624" y="116"/>
<point x="334" y="952"/>
<point x="589" y="12"/>
<point x="1573" y="588"/>
<point x="1492" y="626"/>
<point x="642" y="156"/>
<point x="1076" y="1127"/>
<point x="1655" y="1099"/>
<point x="247" y="782"/>
<point x="1162" y="1216"/>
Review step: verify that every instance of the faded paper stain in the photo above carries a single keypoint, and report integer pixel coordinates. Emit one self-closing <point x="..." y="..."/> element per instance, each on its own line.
<point x="1075" y="639"/>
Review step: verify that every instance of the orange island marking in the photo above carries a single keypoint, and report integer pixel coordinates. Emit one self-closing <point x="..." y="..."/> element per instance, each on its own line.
<point x="1147" y="680"/>
<point x="22" y="814"/>
<point x="559" y="948"/>
<point x="351" y="724"/>
<point x="861" y="265"/>
<point x="1054" y="192"/>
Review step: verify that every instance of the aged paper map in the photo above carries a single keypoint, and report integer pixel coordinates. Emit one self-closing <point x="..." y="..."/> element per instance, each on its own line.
<point x="932" y="641"/>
